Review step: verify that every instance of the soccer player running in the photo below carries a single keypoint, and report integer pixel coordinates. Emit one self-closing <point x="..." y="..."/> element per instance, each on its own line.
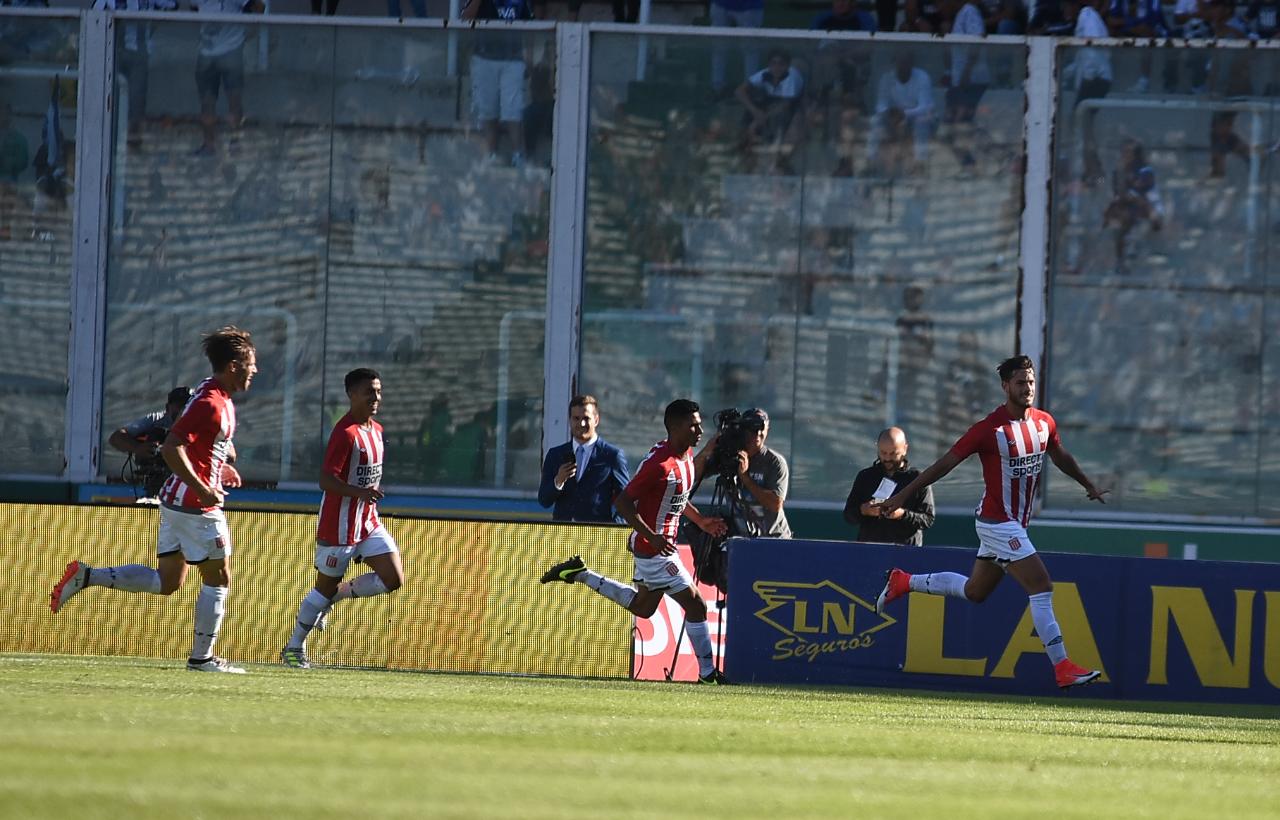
<point x="349" y="526"/>
<point x="1011" y="444"/>
<point x="652" y="503"/>
<point x="193" y="529"/>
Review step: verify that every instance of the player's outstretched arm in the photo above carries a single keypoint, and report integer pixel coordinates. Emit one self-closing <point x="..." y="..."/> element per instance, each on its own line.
<point x="932" y="473"/>
<point x="1067" y="464"/>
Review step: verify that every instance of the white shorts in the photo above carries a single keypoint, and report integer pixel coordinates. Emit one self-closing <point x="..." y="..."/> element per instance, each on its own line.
<point x="333" y="561"/>
<point x="663" y="573"/>
<point x="1003" y="543"/>
<point x="200" y="536"/>
<point x="497" y="89"/>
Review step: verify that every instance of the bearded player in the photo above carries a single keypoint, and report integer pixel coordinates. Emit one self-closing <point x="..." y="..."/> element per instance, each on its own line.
<point x="1011" y="444"/>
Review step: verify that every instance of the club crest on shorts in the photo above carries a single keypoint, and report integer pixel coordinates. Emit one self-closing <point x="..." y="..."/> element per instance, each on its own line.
<point x="672" y="569"/>
<point x="1015" y="544"/>
<point x="219" y="542"/>
<point x="331" y="561"/>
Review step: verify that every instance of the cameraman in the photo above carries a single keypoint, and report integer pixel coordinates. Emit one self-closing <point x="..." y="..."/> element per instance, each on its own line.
<point x="762" y="479"/>
<point x="141" y="440"/>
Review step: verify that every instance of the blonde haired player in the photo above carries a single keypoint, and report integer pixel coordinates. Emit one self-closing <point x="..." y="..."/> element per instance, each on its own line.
<point x="193" y="529"/>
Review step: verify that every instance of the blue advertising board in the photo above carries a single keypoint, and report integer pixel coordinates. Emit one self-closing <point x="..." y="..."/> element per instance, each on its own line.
<point x="804" y="612"/>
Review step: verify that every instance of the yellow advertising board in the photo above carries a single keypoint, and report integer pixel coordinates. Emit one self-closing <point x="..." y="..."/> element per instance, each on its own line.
<point x="471" y="601"/>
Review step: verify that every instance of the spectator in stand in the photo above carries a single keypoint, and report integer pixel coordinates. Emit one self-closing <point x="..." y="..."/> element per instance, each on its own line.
<point x="1136" y="199"/>
<point x="734" y="14"/>
<point x="774" y="101"/>
<point x="1092" y="70"/>
<point x="1006" y="17"/>
<point x="904" y="111"/>
<point x="921" y="16"/>
<point x="498" y="71"/>
<point x="968" y="78"/>
<point x="843" y="15"/>
<point x="220" y="65"/>
<point x="1142" y="19"/>
<point x="133" y="58"/>
<point x="840" y="66"/>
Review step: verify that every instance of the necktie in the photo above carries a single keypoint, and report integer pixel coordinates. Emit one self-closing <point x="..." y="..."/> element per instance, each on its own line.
<point x="582" y="460"/>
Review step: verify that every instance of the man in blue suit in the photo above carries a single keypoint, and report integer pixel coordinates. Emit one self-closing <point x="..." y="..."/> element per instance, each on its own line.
<point x="582" y="477"/>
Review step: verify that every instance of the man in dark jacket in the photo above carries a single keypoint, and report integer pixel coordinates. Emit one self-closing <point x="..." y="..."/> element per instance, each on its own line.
<point x="881" y="480"/>
<point x="582" y="477"/>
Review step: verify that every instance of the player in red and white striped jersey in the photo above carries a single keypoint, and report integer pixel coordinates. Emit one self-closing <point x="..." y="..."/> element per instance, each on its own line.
<point x="193" y="530"/>
<point x="652" y="503"/>
<point x="1012" y="444"/>
<point x="349" y="527"/>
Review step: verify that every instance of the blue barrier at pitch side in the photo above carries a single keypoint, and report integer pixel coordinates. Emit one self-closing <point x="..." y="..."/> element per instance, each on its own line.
<point x="804" y="612"/>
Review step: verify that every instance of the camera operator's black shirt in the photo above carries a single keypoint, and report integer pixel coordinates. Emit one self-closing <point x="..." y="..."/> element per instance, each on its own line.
<point x="909" y="529"/>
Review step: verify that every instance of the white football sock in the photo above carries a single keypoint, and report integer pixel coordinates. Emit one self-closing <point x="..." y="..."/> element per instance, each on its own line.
<point x="950" y="584"/>
<point x="308" y="613"/>
<point x="700" y="640"/>
<point x="1047" y="626"/>
<point x="128" y="578"/>
<point x="362" y="586"/>
<point x="211" y="605"/>
<point x="620" y="594"/>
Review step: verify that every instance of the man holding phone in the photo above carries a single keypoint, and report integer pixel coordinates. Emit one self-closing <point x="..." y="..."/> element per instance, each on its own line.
<point x="581" y="478"/>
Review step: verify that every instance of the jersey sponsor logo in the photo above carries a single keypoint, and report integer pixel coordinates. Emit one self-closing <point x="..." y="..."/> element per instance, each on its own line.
<point x="817" y="619"/>
<point x="1023" y="466"/>
<point x="368" y="475"/>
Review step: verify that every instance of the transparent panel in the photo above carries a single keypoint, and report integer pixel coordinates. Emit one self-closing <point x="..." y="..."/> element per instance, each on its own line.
<point x="1161" y="366"/>
<point x="346" y="208"/>
<point x="39" y="60"/>
<point x="834" y="239"/>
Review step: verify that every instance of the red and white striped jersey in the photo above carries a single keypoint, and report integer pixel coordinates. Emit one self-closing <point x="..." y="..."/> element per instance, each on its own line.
<point x="660" y="491"/>
<point x="354" y="455"/>
<point x="1012" y="454"/>
<point x="204" y="429"/>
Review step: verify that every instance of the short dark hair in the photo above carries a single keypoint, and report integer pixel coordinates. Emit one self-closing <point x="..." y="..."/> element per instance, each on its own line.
<point x="360" y="374"/>
<point x="679" y="409"/>
<point x="1014" y="364"/>
<point x="582" y="400"/>
<point x="226" y="345"/>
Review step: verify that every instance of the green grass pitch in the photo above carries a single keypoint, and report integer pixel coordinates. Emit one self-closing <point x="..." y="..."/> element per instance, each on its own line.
<point x="130" y="738"/>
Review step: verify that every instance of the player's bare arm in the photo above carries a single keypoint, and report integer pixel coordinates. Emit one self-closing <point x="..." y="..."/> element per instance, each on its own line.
<point x="175" y="456"/>
<point x="709" y="525"/>
<point x="934" y="472"/>
<point x="330" y="483"/>
<point x="626" y="507"/>
<point x="1067" y="464"/>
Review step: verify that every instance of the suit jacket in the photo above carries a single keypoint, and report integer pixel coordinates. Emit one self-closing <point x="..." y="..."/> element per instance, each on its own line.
<point x="589" y="495"/>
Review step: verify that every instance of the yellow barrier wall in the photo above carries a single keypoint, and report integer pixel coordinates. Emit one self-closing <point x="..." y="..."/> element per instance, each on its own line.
<point x="471" y="601"/>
